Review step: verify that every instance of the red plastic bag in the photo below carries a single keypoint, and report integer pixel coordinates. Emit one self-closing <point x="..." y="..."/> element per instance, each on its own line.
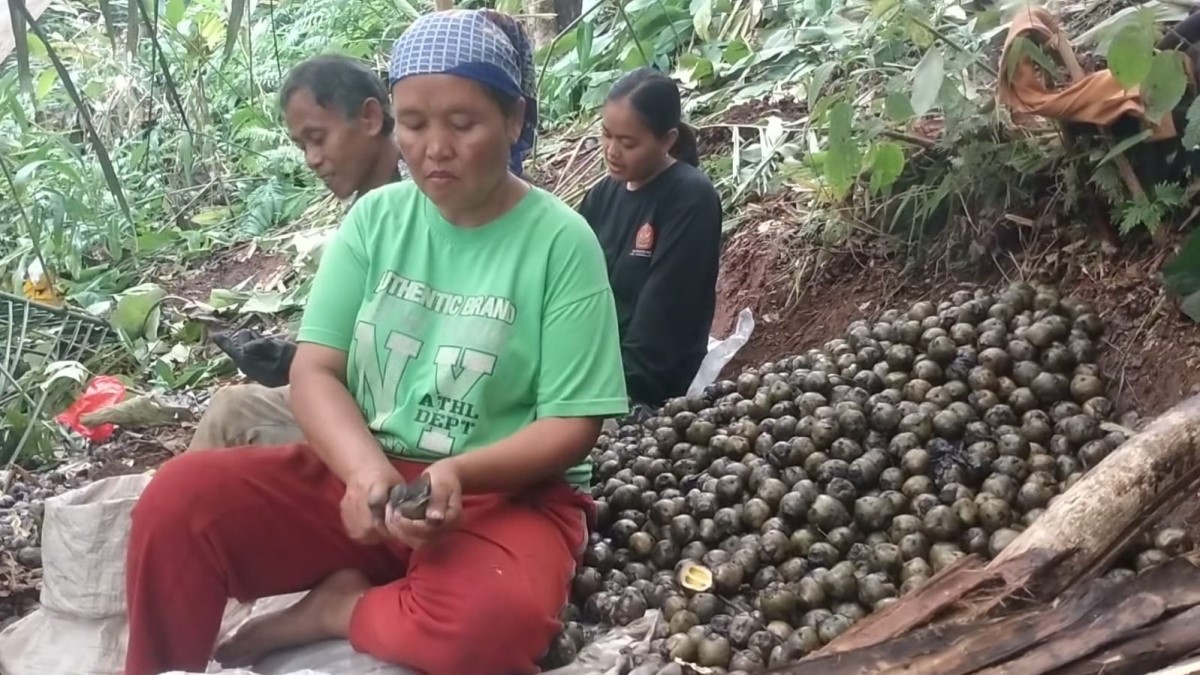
<point x="101" y="392"/>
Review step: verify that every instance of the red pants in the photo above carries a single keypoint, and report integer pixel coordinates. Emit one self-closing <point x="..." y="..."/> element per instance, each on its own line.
<point x="254" y="522"/>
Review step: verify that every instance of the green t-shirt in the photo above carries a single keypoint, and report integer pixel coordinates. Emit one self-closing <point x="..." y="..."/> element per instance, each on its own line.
<point x="459" y="337"/>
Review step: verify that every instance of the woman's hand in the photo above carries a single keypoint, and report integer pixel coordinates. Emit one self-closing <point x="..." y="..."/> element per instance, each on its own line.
<point x="441" y="515"/>
<point x="365" y="493"/>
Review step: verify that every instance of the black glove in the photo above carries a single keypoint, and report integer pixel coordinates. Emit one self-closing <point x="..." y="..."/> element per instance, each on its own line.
<point x="266" y="360"/>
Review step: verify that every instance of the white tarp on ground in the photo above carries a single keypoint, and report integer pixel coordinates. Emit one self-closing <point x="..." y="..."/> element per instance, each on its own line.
<point x="80" y="627"/>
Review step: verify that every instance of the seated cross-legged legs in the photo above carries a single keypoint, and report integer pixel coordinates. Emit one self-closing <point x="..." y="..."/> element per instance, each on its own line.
<point x="265" y="521"/>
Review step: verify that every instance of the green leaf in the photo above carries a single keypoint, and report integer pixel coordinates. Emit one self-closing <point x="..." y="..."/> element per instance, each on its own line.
<point x="1190" y="306"/>
<point x="187" y="159"/>
<point x="174" y="13"/>
<point x="881" y="7"/>
<point x="137" y="310"/>
<point x="1191" y="136"/>
<point x="583" y="46"/>
<point x="45" y="83"/>
<point x="887" y="163"/>
<point x="1164" y="85"/>
<point x="1124" y="145"/>
<point x="157" y="240"/>
<point x="702" y="16"/>
<point x="37" y="48"/>
<point x="927" y="81"/>
<point x="820" y="78"/>
<point x="918" y="33"/>
<point x="267" y="303"/>
<point x="898" y="107"/>
<point x="735" y="51"/>
<point x="71" y="372"/>
<point x="842" y="162"/>
<point x="222" y="298"/>
<point x="1181" y="274"/>
<point x="1130" y="55"/>
<point x="164" y="371"/>
<point x="1023" y="48"/>
<point x="694" y="71"/>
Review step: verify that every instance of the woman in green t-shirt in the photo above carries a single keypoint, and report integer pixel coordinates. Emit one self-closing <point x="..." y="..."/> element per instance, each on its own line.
<point x="461" y="329"/>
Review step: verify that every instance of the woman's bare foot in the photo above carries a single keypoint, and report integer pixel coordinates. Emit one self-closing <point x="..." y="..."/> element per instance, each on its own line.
<point x="323" y="614"/>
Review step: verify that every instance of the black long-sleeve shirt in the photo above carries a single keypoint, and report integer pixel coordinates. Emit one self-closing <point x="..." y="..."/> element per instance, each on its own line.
<point x="662" y="244"/>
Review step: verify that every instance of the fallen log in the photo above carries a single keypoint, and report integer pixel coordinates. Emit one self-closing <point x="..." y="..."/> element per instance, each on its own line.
<point x="1114" y="502"/>
<point x="994" y="642"/>
<point x="1081" y="640"/>
<point x="954" y="648"/>
<point x="1156" y="646"/>
<point x="1040" y="639"/>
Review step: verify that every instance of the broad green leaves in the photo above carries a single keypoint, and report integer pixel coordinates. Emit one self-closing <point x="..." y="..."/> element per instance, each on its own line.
<point x="1160" y="77"/>
<point x="898" y="107"/>
<point x="174" y="12"/>
<point x="137" y="312"/>
<point x="927" y="81"/>
<point x="1023" y="48"/>
<point x="1164" y="85"/>
<point x="887" y="163"/>
<point x="1191" y="137"/>
<point x="1131" y="54"/>
<point x="842" y="160"/>
<point x="1181" y="276"/>
<point x="702" y="17"/>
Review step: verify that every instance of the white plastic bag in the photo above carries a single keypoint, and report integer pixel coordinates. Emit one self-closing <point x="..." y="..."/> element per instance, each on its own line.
<point x="721" y="352"/>
<point x="83" y="547"/>
<point x="81" y="628"/>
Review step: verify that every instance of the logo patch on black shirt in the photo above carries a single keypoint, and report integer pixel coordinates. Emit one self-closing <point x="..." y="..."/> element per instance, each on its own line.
<point x="643" y="243"/>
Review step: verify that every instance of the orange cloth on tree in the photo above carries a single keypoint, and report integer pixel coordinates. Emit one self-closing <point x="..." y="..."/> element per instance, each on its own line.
<point x="1098" y="98"/>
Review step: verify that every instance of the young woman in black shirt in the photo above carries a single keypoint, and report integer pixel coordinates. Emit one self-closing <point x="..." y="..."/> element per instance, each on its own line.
<point x="658" y="218"/>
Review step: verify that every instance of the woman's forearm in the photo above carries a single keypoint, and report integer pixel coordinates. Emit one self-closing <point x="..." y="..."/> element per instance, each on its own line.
<point x="334" y="426"/>
<point x="541" y="451"/>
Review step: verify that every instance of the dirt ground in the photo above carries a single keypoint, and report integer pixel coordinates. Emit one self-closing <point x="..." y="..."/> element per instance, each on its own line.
<point x="225" y="269"/>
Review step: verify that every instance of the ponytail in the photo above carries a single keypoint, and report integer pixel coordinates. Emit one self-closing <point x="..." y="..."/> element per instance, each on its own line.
<point x="686" y="148"/>
<point x="656" y="98"/>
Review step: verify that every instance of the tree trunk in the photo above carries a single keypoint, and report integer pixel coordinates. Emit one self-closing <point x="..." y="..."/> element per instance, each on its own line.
<point x="541" y="28"/>
<point x="1103" y="625"/>
<point x="566" y="11"/>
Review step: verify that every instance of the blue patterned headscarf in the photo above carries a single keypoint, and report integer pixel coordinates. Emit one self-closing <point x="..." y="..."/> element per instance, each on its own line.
<point x="480" y="44"/>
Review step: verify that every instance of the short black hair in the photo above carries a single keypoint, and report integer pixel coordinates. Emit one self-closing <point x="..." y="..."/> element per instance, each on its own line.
<point x="656" y="99"/>
<point x="339" y="82"/>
